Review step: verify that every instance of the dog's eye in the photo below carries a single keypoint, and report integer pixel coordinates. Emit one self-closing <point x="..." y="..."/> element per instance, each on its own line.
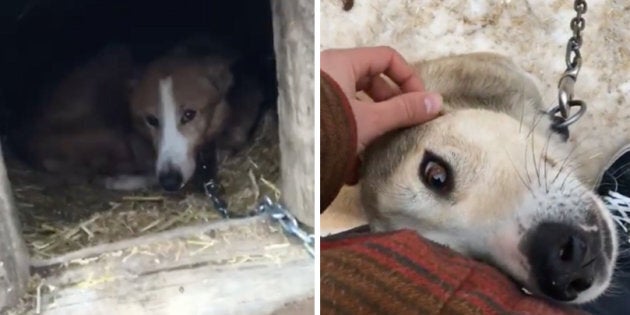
<point x="436" y="174"/>
<point x="189" y="115"/>
<point x="152" y="121"/>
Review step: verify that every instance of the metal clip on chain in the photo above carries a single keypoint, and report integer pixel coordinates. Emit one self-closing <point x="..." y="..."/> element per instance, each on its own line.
<point x="288" y="222"/>
<point x="278" y="213"/>
<point x="566" y="84"/>
<point x="212" y="191"/>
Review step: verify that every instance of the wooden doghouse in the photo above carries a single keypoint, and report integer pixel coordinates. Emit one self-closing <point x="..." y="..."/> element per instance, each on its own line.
<point x="237" y="266"/>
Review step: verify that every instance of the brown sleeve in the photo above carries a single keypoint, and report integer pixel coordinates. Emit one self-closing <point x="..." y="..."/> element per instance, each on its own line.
<point x="338" y="140"/>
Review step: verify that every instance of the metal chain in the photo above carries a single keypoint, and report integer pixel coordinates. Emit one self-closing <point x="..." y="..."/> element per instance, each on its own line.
<point x="212" y="192"/>
<point x="275" y="211"/>
<point x="573" y="60"/>
<point x="288" y="222"/>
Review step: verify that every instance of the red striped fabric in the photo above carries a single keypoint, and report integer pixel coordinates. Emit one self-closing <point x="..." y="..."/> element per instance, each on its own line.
<point x="402" y="273"/>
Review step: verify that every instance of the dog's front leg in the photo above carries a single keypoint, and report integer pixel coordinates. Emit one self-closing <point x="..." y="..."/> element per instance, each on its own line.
<point x="136" y="171"/>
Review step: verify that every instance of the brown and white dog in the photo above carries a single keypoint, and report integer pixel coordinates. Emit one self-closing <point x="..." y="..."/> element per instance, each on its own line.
<point x="190" y="100"/>
<point x="101" y="120"/>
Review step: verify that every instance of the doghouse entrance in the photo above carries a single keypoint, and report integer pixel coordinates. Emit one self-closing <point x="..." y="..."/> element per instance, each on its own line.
<point x="51" y="37"/>
<point x="61" y="216"/>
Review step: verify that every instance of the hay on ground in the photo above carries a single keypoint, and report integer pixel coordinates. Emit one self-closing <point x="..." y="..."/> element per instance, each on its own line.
<point x="62" y="217"/>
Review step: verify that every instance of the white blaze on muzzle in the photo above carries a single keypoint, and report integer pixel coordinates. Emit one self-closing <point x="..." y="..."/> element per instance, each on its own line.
<point x="173" y="146"/>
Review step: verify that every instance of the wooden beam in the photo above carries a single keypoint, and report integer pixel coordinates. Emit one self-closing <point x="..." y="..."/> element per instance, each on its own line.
<point x="293" y="25"/>
<point x="246" y="266"/>
<point x="14" y="268"/>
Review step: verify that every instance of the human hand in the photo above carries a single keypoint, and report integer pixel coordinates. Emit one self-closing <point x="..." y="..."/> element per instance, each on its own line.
<point x="403" y="105"/>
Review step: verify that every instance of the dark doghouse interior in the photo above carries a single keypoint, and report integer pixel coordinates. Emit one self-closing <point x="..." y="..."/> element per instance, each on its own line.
<point x="44" y="39"/>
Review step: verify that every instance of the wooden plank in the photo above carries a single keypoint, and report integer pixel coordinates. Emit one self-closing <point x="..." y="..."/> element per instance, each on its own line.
<point x="13" y="255"/>
<point x="293" y="25"/>
<point x="244" y="266"/>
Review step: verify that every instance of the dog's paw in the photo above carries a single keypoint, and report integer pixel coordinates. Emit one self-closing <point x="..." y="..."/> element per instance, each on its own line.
<point x="129" y="182"/>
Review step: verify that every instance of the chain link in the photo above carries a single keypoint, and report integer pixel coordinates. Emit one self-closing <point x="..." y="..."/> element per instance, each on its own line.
<point x="288" y="222"/>
<point x="211" y="187"/>
<point x="573" y="60"/>
<point x="275" y="210"/>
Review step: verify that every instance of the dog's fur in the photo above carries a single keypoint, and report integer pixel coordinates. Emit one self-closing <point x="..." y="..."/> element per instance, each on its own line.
<point x="511" y="174"/>
<point x="82" y="125"/>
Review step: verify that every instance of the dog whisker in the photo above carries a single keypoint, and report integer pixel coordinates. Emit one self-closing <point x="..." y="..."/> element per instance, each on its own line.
<point x="519" y="173"/>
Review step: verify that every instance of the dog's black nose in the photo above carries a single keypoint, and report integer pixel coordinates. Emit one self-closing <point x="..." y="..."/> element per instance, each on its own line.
<point x="561" y="260"/>
<point x="170" y="180"/>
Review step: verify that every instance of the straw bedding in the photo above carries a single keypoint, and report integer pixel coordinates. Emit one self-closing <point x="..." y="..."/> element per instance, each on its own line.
<point x="62" y="216"/>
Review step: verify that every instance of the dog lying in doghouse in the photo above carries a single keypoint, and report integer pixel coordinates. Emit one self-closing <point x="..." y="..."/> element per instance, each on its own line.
<point x="489" y="179"/>
<point x="130" y="126"/>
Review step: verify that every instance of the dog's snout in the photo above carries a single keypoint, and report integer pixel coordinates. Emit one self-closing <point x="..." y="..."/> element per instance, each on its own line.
<point x="171" y="180"/>
<point x="562" y="260"/>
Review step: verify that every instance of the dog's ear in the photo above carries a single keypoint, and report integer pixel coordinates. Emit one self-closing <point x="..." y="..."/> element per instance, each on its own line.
<point x="219" y="72"/>
<point x="134" y="78"/>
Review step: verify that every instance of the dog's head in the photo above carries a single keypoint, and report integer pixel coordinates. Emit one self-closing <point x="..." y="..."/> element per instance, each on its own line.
<point x="180" y="104"/>
<point x="489" y="187"/>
